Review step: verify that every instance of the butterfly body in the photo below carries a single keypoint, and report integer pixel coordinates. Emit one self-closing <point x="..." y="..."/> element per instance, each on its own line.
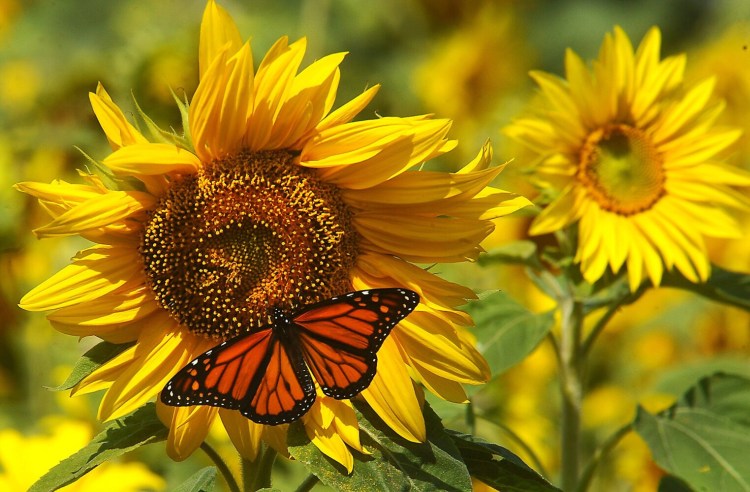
<point x="267" y="374"/>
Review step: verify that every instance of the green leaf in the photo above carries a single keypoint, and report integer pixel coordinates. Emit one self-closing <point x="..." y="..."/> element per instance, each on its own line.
<point x="123" y="435"/>
<point x="506" y="331"/>
<point x="204" y="480"/>
<point x="668" y="483"/>
<point x="723" y="286"/>
<point x="395" y="464"/>
<point x="90" y="361"/>
<point x="517" y="252"/>
<point x="679" y="379"/>
<point x="498" y="467"/>
<point x="703" y="439"/>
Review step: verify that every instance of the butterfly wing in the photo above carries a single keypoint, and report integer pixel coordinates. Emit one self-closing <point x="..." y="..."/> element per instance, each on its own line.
<point x="255" y="373"/>
<point x="340" y="337"/>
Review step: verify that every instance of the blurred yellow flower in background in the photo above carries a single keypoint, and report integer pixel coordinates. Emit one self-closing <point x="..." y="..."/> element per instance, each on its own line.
<point x="632" y="156"/>
<point x="25" y="458"/>
<point x="472" y="68"/>
<point x="270" y="199"/>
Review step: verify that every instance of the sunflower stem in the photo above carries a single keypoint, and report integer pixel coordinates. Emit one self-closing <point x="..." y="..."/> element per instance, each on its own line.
<point x="571" y="372"/>
<point x="256" y="473"/>
<point x="601" y="452"/>
<point x="222" y="466"/>
<point x="602" y="322"/>
<point x="308" y="483"/>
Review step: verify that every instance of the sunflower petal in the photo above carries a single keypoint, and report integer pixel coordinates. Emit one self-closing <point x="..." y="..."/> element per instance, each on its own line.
<point x="116" y="127"/>
<point x="94" y="272"/>
<point x="100" y="211"/>
<point x="218" y="33"/>
<point x="244" y="433"/>
<point x="188" y="427"/>
<point x="161" y="352"/>
<point x="152" y="159"/>
<point x="391" y="395"/>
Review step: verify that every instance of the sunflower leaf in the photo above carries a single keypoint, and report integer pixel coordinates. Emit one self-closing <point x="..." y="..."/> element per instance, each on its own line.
<point x="90" y="361"/>
<point x="498" y="467"/>
<point x="395" y="464"/>
<point x="517" y="252"/>
<point x="669" y="483"/>
<point x="120" y="436"/>
<point x="723" y="286"/>
<point x="506" y="331"/>
<point x="204" y="480"/>
<point x="703" y="438"/>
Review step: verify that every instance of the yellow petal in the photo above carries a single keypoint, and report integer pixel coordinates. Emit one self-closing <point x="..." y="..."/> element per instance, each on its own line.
<point x="422" y="239"/>
<point x="345" y="421"/>
<point x="160" y="353"/>
<point x="116" y="127"/>
<point x="222" y="106"/>
<point x="391" y="395"/>
<point x="375" y="271"/>
<point x="330" y="443"/>
<point x="673" y="118"/>
<point x="557" y="214"/>
<point x="348" y="111"/>
<point x="58" y="197"/>
<point x="434" y="343"/>
<point x="446" y="389"/>
<point x="188" y="427"/>
<point x="244" y="433"/>
<point x="273" y="84"/>
<point x="275" y="436"/>
<point x="108" y="310"/>
<point x="218" y="32"/>
<point x="106" y="374"/>
<point x="383" y="151"/>
<point x="152" y="159"/>
<point x="100" y="211"/>
<point x="310" y="98"/>
<point x="94" y="272"/>
<point x="425" y="188"/>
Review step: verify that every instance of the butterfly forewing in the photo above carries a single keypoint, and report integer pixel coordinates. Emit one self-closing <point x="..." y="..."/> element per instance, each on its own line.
<point x="222" y="376"/>
<point x="340" y="337"/>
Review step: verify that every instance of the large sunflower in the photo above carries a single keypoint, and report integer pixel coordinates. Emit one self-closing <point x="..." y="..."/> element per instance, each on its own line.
<point x="631" y="153"/>
<point x="269" y="199"/>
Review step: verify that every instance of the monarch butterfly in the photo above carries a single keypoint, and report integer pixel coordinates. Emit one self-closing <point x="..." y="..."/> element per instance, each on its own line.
<point x="265" y="374"/>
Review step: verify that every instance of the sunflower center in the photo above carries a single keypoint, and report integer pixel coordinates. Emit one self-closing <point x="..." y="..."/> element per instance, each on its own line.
<point x="622" y="169"/>
<point x="244" y="235"/>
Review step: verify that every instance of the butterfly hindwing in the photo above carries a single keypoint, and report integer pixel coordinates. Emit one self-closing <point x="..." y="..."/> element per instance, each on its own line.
<point x="254" y="373"/>
<point x="341" y="336"/>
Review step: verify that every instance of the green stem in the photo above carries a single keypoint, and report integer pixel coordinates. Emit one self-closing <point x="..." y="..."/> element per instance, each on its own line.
<point x="602" y="322"/>
<point x="599" y="454"/>
<point x="570" y="389"/>
<point x="223" y="468"/>
<point x="308" y="484"/>
<point x="257" y="474"/>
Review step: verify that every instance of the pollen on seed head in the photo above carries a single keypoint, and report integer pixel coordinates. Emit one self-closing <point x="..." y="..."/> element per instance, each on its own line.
<point x="245" y="234"/>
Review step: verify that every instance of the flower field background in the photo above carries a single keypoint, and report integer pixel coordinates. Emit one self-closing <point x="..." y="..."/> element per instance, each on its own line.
<point x="467" y="61"/>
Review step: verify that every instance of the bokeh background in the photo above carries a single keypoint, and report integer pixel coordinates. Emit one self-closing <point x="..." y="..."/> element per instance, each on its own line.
<point x="463" y="59"/>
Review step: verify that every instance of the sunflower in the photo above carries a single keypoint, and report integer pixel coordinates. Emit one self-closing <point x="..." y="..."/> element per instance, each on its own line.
<point x="630" y="155"/>
<point x="268" y="199"/>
